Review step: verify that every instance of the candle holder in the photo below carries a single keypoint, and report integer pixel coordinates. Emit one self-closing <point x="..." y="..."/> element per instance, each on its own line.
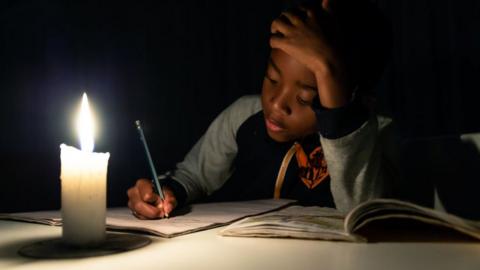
<point x="84" y="233"/>
<point x="84" y="181"/>
<point x="57" y="248"/>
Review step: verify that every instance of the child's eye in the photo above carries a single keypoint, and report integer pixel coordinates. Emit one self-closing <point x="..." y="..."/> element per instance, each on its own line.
<point x="303" y="102"/>
<point x="271" y="80"/>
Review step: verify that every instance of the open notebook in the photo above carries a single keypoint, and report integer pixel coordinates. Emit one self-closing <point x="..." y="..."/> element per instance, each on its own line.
<point x="316" y="222"/>
<point x="193" y="218"/>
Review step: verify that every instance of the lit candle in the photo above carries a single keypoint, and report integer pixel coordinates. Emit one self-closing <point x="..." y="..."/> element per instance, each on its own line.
<point x="83" y="181"/>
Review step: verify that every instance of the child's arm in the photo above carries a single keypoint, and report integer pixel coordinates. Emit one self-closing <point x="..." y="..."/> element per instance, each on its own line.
<point x="209" y="163"/>
<point x="205" y="168"/>
<point x="354" y="143"/>
<point x="362" y="164"/>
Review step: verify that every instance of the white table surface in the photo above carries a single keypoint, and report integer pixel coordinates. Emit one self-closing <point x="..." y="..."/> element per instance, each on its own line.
<point x="207" y="250"/>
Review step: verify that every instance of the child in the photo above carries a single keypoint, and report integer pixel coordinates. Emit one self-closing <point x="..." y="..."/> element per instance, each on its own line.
<point x="310" y="110"/>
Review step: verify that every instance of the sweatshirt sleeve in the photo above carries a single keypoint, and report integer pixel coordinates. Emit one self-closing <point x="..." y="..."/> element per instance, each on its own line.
<point x="359" y="164"/>
<point x="338" y="122"/>
<point x="209" y="163"/>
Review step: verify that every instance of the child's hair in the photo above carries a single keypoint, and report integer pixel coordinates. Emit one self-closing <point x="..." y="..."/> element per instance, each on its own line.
<point x="365" y="39"/>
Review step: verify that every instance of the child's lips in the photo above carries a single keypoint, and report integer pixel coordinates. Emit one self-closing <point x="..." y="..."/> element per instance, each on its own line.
<point x="273" y="125"/>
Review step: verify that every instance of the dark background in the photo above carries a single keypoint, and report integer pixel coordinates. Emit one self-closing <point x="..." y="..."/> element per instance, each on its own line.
<point x="176" y="64"/>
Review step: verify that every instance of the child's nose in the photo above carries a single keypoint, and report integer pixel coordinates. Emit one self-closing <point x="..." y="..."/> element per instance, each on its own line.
<point x="280" y="102"/>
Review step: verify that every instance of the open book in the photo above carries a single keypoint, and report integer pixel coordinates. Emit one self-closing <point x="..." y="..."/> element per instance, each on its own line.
<point x="193" y="218"/>
<point x="315" y="222"/>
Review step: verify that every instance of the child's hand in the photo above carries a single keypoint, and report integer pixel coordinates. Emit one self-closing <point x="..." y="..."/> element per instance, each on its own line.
<point x="146" y="204"/>
<point x="312" y="41"/>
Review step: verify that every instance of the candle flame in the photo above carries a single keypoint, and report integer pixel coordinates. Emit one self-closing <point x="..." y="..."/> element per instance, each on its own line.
<point x="85" y="126"/>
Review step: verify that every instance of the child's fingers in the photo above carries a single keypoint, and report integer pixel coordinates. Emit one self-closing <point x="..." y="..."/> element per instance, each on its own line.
<point x="144" y="209"/>
<point x="139" y="207"/>
<point x="167" y="205"/>
<point x="277" y="42"/>
<point x="135" y="213"/>
<point x="160" y="205"/>
<point x="145" y="189"/>
<point x="170" y="202"/>
<point x="308" y="11"/>
<point x="168" y="208"/>
<point x="165" y="208"/>
<point x="292" y="18"/>
<point x="279" y="26"/>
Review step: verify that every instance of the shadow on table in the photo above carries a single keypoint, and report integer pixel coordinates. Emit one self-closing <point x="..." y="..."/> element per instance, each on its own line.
<point x="442" y="173"/>
<point x="182" y="211"/>
<point x="408" y="230"/>
<point x="10" y="250"/>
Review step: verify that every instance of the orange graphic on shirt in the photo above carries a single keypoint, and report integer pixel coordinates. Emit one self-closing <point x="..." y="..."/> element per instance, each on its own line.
<point x="312" y="169"/>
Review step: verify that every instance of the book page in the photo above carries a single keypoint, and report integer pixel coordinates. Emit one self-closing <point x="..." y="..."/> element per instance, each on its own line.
<point x="190" y="219"/>
<point x="311" y="222"/>
<point x="378" y="209"/>
<point x="43" y="217"/>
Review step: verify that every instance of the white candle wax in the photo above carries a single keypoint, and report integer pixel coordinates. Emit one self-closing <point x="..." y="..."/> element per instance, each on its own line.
<point x="84" y="186"/>
<point x="83" y="181"/>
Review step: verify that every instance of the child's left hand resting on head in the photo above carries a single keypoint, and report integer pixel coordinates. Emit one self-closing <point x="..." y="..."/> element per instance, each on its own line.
<point x="306" y="40"/>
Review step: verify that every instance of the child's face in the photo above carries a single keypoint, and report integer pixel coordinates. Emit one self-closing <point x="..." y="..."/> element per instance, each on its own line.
<point x="289" y="89"/>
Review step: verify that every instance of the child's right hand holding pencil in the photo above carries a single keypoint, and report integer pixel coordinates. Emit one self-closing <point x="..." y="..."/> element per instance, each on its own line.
<point x="146" y="204"/>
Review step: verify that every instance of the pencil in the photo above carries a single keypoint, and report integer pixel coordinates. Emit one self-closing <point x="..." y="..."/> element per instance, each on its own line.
<point x="155" y="181"/>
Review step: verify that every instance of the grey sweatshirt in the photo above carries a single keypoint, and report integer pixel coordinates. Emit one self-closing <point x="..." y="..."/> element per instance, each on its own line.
<point x="360" y="164"/>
